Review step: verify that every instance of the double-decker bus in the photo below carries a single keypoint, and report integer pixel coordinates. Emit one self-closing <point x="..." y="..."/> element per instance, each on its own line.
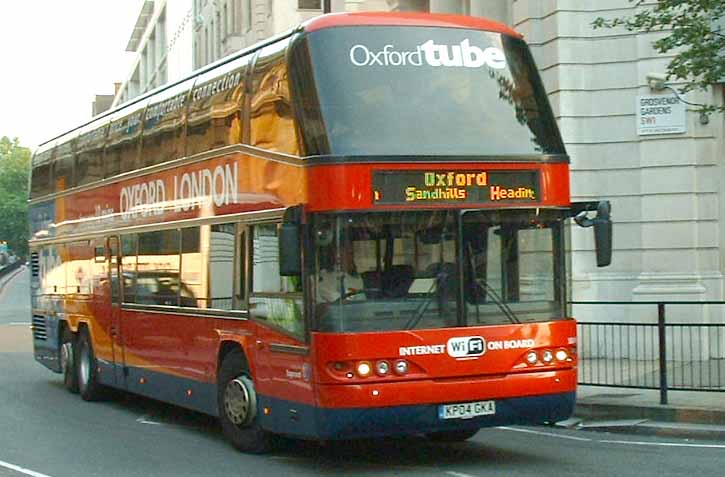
<point x="354" y="229"/>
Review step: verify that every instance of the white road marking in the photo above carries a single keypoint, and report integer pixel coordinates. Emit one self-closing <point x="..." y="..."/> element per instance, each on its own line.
<point x="145" y="420"/>
<point x="458" y="474"/>
<point x="21" y="470"/>
<point x="549" y="434"/>
<point x="665" y="444"/>
<point x="17" y="323"/>
<point x="608" y="441"/>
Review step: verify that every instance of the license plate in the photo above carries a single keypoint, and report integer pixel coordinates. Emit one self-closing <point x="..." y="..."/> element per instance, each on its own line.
<point x="467" y="410"/>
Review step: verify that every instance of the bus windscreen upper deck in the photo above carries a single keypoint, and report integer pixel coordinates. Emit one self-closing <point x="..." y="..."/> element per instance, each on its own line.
<point x="422" y="91"/>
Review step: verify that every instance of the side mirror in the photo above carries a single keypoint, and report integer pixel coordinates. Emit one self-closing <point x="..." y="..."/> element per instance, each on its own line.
<point x="290" y="256"/>
<point x="290" y="244"/>
<point x="603" y="235"/>
<point x="602" y="223"/>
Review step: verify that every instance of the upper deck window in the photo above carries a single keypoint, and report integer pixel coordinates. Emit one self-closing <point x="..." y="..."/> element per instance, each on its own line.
<point x="164" y="122"/>
<point x="430" y="91"/>
<point x="215" y="110"/>
<point x="271" y="122"/>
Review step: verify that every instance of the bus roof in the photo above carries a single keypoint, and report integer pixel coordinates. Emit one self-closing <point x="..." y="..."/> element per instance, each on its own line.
<point x="317" y="23"/>
<point x="407" y="19"/>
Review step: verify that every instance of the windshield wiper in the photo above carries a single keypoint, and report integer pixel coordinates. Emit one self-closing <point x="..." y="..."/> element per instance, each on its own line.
<point x="413" y="321"/>
<point x="496" y="298"/>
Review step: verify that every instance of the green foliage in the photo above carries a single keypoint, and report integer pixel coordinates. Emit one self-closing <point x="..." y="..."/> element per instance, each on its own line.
<point x="14" y="170"/>
<point x="694" y="35"/>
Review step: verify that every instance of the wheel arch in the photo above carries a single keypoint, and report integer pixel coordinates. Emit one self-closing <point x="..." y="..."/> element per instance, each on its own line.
<point x="228" y="346"/>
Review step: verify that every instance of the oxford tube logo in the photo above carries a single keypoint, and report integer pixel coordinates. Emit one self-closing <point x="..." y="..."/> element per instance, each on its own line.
<point x="462" y="55"/>
<point x="466" y="347"/>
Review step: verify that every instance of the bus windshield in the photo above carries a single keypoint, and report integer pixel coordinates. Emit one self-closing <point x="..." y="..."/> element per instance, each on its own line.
<point x="437" y="269"/>
<point x="430" y="91"/>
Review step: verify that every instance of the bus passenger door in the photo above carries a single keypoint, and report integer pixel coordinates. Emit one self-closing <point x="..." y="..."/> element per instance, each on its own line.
<point x="283" y="372"/>
<point x="114" y="278"/>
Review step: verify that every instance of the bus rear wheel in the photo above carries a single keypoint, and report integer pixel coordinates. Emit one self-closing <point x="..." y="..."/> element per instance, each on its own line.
<point x="87" y="367"/>
<point x="68" y="360"/>
<point x="237" y="404"/>
<point x="452" y="436"/>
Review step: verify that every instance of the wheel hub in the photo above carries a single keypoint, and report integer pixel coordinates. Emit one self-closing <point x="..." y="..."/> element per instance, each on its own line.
<point x="66" y="356"/>
<point x="238" y="403"/>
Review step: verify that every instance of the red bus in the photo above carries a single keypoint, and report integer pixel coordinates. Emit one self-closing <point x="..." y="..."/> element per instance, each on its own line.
<point x="354" y="229"/>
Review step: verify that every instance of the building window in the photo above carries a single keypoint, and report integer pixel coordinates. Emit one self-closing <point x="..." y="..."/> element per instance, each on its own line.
<point x="309" y="4"/>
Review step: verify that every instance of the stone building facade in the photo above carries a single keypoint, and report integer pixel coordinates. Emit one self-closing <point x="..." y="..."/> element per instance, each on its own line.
<point x="162" y="41"/>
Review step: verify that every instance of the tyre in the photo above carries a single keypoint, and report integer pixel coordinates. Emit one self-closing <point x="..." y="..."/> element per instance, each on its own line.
<point x="452" y="436"/>
<point x="88" y="386"/>
<point x="68" y="360"/>
<point x="237" y="403"/>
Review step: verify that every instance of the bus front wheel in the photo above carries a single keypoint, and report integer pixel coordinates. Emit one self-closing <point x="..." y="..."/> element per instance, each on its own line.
<point x="237" y="403"/>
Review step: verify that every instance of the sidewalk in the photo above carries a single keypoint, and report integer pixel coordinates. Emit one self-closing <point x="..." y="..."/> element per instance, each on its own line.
<point x="688" y="413"/>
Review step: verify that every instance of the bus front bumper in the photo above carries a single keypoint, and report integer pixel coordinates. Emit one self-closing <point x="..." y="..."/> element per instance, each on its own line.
<point x="341" y="416"/>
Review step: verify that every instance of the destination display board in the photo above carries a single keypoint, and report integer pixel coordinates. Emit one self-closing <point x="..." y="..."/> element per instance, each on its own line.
<point x="423" y="187"/>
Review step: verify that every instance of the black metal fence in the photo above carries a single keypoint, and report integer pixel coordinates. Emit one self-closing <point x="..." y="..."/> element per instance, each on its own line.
<point x="654" y="354"/>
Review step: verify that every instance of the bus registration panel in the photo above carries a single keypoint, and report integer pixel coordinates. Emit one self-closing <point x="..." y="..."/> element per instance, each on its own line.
<point x="467" y="410"/>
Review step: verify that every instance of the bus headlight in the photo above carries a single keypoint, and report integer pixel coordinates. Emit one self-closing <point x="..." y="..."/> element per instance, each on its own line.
<point x="547" y="356"/>
<point x="532" y="357"/>
<point x="401" y="366"/>
<point x="363" y="369"/>
<point x="562" y="355"/>
<point x="382" y="368"/>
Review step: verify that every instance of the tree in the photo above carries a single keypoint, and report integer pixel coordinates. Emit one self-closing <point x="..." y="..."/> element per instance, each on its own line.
<point x="696" y="34"/>
<point x="14" y="170"/>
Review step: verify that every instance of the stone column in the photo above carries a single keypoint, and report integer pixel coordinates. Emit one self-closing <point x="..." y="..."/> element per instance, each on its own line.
<point x="354" y="5"/>
<point x="447" y="6"/>
<point x="408" y="5"/>
<point x="498" y="10"/>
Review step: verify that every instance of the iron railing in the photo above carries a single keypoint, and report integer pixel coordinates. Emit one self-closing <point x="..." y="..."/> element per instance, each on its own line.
<point x="654" y="354"/>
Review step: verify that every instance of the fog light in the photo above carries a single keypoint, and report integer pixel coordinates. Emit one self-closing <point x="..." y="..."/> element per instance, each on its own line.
<point x="382" y="368"/>
<point x="363" y="369"/>
<point x="401" y="366"/>
<point x="547" y="356"/>
<point x="532" y="357"/>
<point x="561" y="355"/>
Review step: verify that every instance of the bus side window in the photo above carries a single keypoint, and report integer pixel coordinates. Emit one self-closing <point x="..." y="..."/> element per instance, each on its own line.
<point x="40" y="184"/>
<point x="274" y="298"/>
<point x="63" y="168"/>
<point x="272" y="125"/>
<point x="128" y="268"/>
<point x="122" y="146"/>
<point x="157" y="269"/>
<point x="79" y="268"/>
<point x="215" y="111"/>
<point x="193" y="271"/>
<point x="163" y="129"/>
<point x="53" y="270"/>
<point x="89" y="159"/>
